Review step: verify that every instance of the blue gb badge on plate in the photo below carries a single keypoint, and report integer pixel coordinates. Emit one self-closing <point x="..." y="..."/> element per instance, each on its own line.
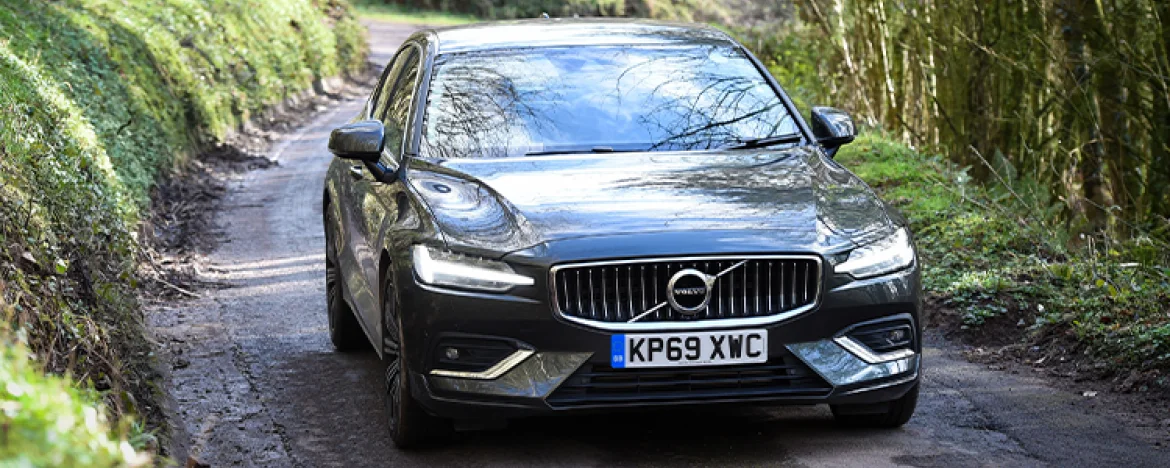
<point x="617" y="351"/>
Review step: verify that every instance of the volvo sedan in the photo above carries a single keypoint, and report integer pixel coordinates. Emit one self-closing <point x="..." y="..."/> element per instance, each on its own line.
<point x="559" y="216"/>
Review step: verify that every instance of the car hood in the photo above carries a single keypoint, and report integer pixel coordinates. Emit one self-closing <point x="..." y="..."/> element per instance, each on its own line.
<point x="789" y="200"/>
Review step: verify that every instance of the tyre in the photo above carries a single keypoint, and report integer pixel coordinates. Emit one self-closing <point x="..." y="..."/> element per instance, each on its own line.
<point x="344" y="330"/>
<point x="896" y="414"/>
<point x="410" y="425"/>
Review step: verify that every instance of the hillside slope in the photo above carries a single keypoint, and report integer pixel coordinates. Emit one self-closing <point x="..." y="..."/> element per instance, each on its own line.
<point x="101" y="98"/>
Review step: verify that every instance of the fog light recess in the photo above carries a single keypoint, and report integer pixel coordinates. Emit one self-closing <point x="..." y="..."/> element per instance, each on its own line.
<point x="885" y="337"/>
<point x="471" y="354"/>
<point x="881" y="341"/>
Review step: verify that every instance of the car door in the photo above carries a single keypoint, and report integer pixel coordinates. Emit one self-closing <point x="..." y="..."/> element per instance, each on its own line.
<point x="356" y="177"/>
<point x="375" y="200"/>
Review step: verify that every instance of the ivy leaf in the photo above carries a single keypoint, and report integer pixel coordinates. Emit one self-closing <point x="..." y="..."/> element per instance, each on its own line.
<point x="61" y="266"/>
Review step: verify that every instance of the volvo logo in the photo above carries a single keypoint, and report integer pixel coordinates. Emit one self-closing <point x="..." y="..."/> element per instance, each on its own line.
<point x="689" y="291"/>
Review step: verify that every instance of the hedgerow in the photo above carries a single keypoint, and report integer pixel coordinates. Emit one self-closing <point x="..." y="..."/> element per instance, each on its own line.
<point x="98" y="99"/>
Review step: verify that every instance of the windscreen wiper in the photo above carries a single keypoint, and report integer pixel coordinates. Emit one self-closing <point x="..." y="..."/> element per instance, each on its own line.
<point x="595" y="149"/>
<point x="768" y="141"/>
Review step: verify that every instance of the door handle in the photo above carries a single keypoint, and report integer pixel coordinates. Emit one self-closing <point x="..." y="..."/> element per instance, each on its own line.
<point x="355" y="171"/>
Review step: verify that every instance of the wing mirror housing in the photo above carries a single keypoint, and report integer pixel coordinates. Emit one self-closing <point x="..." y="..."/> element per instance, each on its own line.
<point x="361" y="141"/>
<point x="832" y="128"/>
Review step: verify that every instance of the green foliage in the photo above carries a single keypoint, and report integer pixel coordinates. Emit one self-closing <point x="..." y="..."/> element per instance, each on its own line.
<point x="100" y="98"/>
<point x="987" y="256"/>
<point x="399" y="13"/>
<point x="467" y="10"/>
<point x="47" y="421"/>
<point x="1065" y="97"/>
<point x="792" y="55"/>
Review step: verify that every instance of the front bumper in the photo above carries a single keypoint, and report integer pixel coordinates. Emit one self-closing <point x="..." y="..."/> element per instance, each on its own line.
<point x="529" y="389"/>
<point x="806" y="351"/>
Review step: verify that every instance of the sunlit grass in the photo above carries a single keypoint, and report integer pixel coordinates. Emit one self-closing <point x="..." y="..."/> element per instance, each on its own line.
<point x="374" y="9"/>
<point x="983" y="258"/>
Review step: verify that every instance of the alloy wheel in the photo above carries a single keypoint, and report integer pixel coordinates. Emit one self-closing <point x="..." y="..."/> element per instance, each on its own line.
<point x="392" y="355"/>
<point x="332" y="288"/>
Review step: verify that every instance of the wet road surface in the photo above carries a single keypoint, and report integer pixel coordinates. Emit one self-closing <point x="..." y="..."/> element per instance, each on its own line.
<point x="256" y="382"/>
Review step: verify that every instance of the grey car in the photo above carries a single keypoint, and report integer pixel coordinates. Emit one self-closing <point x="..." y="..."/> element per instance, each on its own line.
<point x="563" y="216"/>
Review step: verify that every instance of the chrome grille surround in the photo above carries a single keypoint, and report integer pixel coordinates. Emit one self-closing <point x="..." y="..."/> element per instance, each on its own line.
<point x="613" y="313"/>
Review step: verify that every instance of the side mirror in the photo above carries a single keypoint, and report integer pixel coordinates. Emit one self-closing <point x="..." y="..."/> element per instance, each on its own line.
<point x="362" y="141"/>
<point x="832" y="128"/>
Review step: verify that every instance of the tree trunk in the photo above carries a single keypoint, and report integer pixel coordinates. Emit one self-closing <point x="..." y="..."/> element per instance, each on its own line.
<point x="1088" y="164"/>
<point x="1159" y="166"/>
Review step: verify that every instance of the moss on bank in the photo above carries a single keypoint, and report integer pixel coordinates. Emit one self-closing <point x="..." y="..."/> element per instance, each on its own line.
<point x="99" y="98"/>
<point x="1001" y="274"/>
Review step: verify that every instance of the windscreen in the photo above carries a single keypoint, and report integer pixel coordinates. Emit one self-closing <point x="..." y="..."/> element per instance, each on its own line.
<point x="598" y="99"/>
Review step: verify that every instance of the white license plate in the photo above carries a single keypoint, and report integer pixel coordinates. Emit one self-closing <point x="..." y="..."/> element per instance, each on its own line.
<point x="689" y="349"/>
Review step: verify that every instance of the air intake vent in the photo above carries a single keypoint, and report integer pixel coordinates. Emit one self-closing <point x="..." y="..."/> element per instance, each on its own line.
<point x="601" y="385"/>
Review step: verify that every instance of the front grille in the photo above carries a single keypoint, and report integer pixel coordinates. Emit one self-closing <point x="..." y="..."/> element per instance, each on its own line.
<point x="595" y="385"/>
<point x="619" y="292"/>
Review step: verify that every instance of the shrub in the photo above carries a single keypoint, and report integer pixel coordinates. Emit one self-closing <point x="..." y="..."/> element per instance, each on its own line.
<point x="47" y="421"/>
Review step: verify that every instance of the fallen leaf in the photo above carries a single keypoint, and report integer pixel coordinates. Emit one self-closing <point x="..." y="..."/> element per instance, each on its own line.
<point x="193" y="463"/>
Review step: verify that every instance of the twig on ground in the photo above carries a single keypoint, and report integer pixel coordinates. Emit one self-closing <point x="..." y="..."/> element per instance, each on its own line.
<point x="176" y="288"/>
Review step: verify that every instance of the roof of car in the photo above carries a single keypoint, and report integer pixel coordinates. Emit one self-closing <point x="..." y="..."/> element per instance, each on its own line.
<point x="572" y="32"/>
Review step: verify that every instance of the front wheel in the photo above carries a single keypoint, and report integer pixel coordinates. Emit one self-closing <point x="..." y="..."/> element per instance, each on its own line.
<point x="896" y="414"/>
<point x="410" y="425"/>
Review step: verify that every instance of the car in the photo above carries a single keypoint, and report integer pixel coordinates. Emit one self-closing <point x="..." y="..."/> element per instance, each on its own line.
<point x="559" y="216"/>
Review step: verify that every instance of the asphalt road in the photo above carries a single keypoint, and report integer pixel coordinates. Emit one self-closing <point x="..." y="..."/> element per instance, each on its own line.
<point x="256" y="383"/>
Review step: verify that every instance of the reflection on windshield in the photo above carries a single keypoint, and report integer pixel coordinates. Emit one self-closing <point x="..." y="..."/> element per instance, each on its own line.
<point x="517" y="102"/>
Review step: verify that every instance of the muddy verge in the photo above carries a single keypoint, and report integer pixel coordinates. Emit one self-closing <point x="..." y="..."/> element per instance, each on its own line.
<point x="181" y="229"/>
<point x="1006" y="343"/>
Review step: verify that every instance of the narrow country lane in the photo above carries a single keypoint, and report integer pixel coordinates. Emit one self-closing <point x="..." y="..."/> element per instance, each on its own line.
<point x="259" y="384"/>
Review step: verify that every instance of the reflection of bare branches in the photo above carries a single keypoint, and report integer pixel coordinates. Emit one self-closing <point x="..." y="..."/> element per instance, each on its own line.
<point x="671" y="98"/>
<point x="700" y="125"/>
<point x="800" y="183"/>
<point x="477" y="103"/>
<point x="680" y="140"/>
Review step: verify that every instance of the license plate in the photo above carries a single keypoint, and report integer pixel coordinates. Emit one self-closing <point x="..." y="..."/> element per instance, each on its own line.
<point x="689" y="349"/>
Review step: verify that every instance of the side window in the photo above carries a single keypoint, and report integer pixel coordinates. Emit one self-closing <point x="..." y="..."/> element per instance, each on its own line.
<point x="378" y="90"/>
<point x="396" y="111"/>
<point x="382" y="92"/>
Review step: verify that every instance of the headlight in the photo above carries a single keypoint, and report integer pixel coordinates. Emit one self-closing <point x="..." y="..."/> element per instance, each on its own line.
<point x="441" y="268"/>
<point x="888" y="255"/>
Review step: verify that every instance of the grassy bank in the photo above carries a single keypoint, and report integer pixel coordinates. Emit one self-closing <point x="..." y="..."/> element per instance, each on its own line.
<point x="1000" y="274"/>
<point x="512" y="9"/>
<point x="452" y="12"/>
<point x="100" y="99"/>
<point x="399" y="13"/>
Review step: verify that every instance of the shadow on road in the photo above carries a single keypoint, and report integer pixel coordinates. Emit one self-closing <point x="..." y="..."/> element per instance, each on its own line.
<point x="344" y="391"/>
